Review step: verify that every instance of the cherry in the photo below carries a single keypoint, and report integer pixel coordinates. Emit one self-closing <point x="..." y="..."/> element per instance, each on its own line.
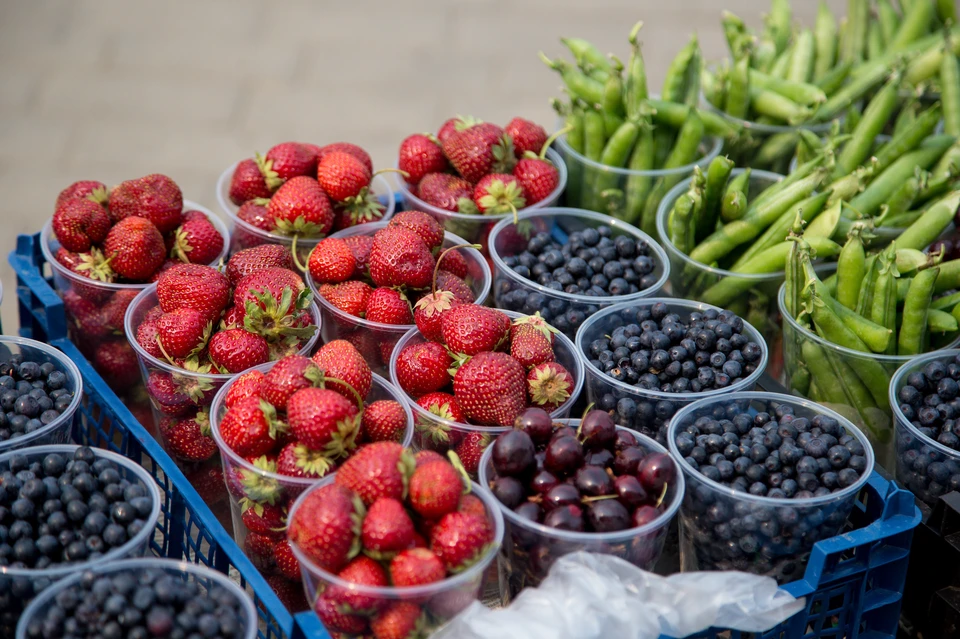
<point x="564" y="456"/>
<point x="563" y="431"/>
<point x="644" y="515"/>
<point x="560" y="495"/>
<point x="656" y="471"/>
<point x="565" y="518"/>
<point x="597" y="430"/>
<point x="514" y="453"/>
<point x="543" y="481"/>
<point x="509" y="491"/>
<point x="593" y="481"/>
<point x="625" y="439"/>
<point x="608" y="515"/>
<point x="529" y="511"/>
<point x="535" y="422"/>
<point x="630" y="491"/>
<point x="628" y="460"/>
<point x="602" y="457"/>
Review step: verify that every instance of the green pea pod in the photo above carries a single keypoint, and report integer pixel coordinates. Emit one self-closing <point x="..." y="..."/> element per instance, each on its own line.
<point x="950" y="94"/>
<point x="946" y="302"/>
<point x="793" y="271"/>
<point x="674" y="85"/>
<point x="825" y="38"/>
<point x="867" y="288"/>
<point x="808" y="209"/>
<point x="611" y="122"/>
<point x="875" y="117"/>
<point x="684" y="152"/>
<point x="849" y="93"/>
<point x="594" y="134"/>
<point x="901" y="200"/>
<point x="776" y="106"/>
<point x="834" y="79"/>
<point x="875" y="336"/>
<point x="639" y="182"/>
<point x="905" y="119"/>
<point x="915" y="23"/>
<point x="926" y="65"/>
<point x="663" y="139"/>
<point x="586" y="54"/>
<point x="735" y="32"/>
<point x="680" y="223"/>
<point x="909" y="260"/>
<point x="947" y="11"/>
<point x="778" y="23"/>
<point x="799" y="91"/>
<point x="613" y="98"/>
<point x="909" y="139"/>
<point x="829" y="386"/>
<point x="801" y="63"/>
<point x="851" y="268"/>
<point x="765" y="210"/>
<point x="781" y="64"/>
<point x="635" y="88"/>
<point x="776" y="150"/>
<point x="615" y="153"/>
<point x="674" y="115"/>
<point x="714" y="86"/>
<point x="888" y="19"/>
<point x="693" y="79"/>
<point x="883" y="186"/>
<point x="913" y="326"/>
<point x="931" y="224"/>
<point x="575" y="138"/>
<point x="884" y="308"/>
<point x="734" y="204"/>
<point x="949" y="164"/>
<point x="577" y="82"/>
<point x="874" y="41"/>
<point x="934" y="188"/>
<point x="890" y="57"/>
<point x="941" y="322"/>
<point x="717" y="174"/>
<point x="738" y="89"/>
<point x="854" y="43"/>
<point x="846" y="188"/>
<point x="764" y="54"/>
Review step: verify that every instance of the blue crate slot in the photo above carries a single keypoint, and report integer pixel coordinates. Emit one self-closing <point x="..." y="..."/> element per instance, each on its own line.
<point x="40" y="308"/>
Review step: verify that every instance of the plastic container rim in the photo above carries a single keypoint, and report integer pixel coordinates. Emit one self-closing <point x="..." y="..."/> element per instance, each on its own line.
<point x="714" y="146"/>
<point x="750" y="125"/>
<point x="919" y="361"/>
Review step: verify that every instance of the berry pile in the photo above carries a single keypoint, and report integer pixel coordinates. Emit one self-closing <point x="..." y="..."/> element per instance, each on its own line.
<point x="478" y="168"/>
<point x="930" y="400"/>
<point x="32" y="395"/>
<point x="392" y="520"/>
<point x="765" y="449"/>
<point x="479" y="367"/>
<point x="654" y="349"/>
<point x="139" y="604"/>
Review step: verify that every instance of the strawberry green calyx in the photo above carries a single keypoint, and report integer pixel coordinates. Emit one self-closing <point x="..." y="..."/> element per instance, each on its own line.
<point x="277" y="426"/>
<point x="257" y="508"/>
<point x="196" y="388"/>
<point x="536" y="321"/>
<point x="95" y="266"/>
<point x="548" y="387"/>
<point x="299" y="226"/>
<point x="100" y="195"/>
<point x="312" y="463"/>
<point x="261" y="201"/>
<point x="504" y="157"/>
<point x="274" y="319"/>
<point x="435" y="303"/>
<point x="356" y="519"/>
<point x="363" y="208"/>
<point x="464" y="122"/>
<point x="467" y="206"/>
<point x="406" y="465"/>
<point x="502" y="197"/>
<point x="270" y="176"/>
<point x="345" y="439"/>
<point x="257" y="487"/>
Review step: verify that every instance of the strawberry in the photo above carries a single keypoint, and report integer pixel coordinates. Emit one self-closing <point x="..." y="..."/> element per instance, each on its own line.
<point x="87" y="316"/>
<point x="290" y="593"/>
<point x="235" y="350"/>
<point x="399" y="257"/>
<point x="135" y="248"/>
<point x="208" y="482"/>
<point x="447" y="192"/>
<point x="256" y="215"/>
<point x="147" y="338"/>
<point x="300" y="207"/>
<point x="438" y="434"/>
<point x="195" y="286"/>
<point x="92" y="265"/>
<point x="248" y="182"/>
<point x="246" y="385"/>
<point x="286" y="561"/>
<point x="342" y="176"/>
<point x="167" y="395"/>
<point x="452" y="284"/>
<point x="549" y="385"/>
<point x="385" y="346"/>
<point x="190" y="439"/>
<point x="115" y="310"/>
<point x="84" y="189"/>
<point x="421" y="154"/>
<point x="182" y="332"/>
<point x="470" y="450"/>
<point x="287" y="376"/>
<point x="526" y="135"/>
<point x="416" y="567"/>
<point x="154" y="197"/>
<point x="265" y="519"/>
<point x="255" y="485"/>
<point x="270" y="299"/>
<point x="289" y="160"/>
<point x="197" y="240"/>
<point x="423" y="368"/>
<point x="153" y="313"/>
<point x="346" y="147"/>
<point x="387" y="528"/>
<point x="423" y="224"/>
<point x="341" y="360"/>
<point x="350" y="297"/>
<point x="334" y="618"/>
<point x="435" y="489"/>
<point x="258" y="258"/>
<point x="428" y="311"/>
<point x="118" y="364"/>
<point x="323" y="420"/>
<point x="360" y="246"/>
<point x="449" y="127"/>
<point x="250" y="427"/>
<point x="384" y="420"/>
<point x="472" y="329"/>
<point x="529" y="345"/>
<point x="491" y="389"/>
<point x="377" y="470"/>
<point x="536" y="175"/>
<point x="400" y="620"/>
<point x="79" y="223"/>
<point x="363" y="571"/>
<point x="297" y="460"/>
<point x="259" y="547"/>
<point x="388" y="306"/>
<point x="331" y="261"/>
<point x="475" y="150"/>
<point x="459" y="540"/>
<point x="166" y="266"/>
<point x="472" y="505"/>
<point x="499" y="193"/>
<point x="232" y="318"/>
<point x="454" y="262"/>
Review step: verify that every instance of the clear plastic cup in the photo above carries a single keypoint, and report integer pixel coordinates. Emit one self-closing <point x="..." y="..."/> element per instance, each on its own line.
<point x="204" y="577"/>
<point x="648" y="412"/>
<point x="441" y="600"/>
<point x="57" y="431"/>
<point x="924" y="466"/>
<point x="428" y="425"/>
<point x="246" y="483"/>
<point x="564" y="311"/>
<point x="18" y="586"/>
<point x="723" y="529"/>
<point x="529" y="548"/>
<point x="476" y="228"/>
<point x="244" y="235"/>
<point x="376" y="340"/>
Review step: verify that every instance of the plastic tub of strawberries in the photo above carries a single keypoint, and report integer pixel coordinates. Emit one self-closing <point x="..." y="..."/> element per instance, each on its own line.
<point x="390" y="254"/>
<point x="420" y="556"/>
<point x="473" y="174"/>
<point x="510" y="362"/>
<point x="102" y="506"/>
<point x="282" y="427"/>
<point x="569" y="485"/>
<point x="339" y="191"/>
<point x="105" y="246"/>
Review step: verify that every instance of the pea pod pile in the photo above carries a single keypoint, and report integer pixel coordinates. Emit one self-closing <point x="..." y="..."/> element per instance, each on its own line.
<point x="612" y="120"/>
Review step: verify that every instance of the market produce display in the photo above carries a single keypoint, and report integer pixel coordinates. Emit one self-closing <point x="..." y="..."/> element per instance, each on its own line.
<point x="32" y="395"/>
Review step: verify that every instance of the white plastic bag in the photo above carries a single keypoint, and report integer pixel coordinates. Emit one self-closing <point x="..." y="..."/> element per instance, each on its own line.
<point x="590" y="596"/>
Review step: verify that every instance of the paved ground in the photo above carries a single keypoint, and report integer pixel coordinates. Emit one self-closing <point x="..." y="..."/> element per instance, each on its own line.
<point x="111" y="89"/>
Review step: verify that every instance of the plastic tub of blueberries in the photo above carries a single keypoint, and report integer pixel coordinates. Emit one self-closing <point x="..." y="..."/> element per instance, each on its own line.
<point x="646" y="380"/>
<point x="634" y="265"/>
<point x="25" y="566"/>
<point x="535" y="536"/>
<point x="925" y="398"/>
<point x="32" y="418"/>
<point x="192" y="596"/>
<point x="768" y="476"/>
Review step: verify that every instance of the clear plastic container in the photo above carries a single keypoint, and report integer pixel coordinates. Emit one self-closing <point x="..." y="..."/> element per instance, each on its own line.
<point x="376" y="340"/>
<point x="244" y="235"/>
<point x="924" y="466"/>
<point x="723" y="529"/>
<point x="516" y="293"/>
<point x="204" y="577"/>
<point x="281" y="489"/>
<point x="529" y="548"/>
<point x="652" y="410"/>
<point x="57" y="431"/>
<point x="441" y="600"/>
<point x="476" y="228"/>
<point x="18" y="586"/>
<point x="426" y="422"/>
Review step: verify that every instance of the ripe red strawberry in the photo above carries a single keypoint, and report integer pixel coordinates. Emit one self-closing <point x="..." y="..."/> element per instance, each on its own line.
<point x="147" y="338"/>
<point x="360" y="246"/>
<point x="92" y="265"/>
<point x="195" y="286"/>
<point x="549" y="385"/>
<point x="435" y="489"/>
<point x="259" y="547"/>
<point x="235" y="350"/>
<point x="400" y="258"/>
<point x="460" y="539"/>
<point x="491" y="389"/>
<point x="363" y="571"/>
<point x="301" y="207"/>
<point x="387" y="528"/>
<point x="470" y="504"/>
<point x="248" y="182"/>
<point x="472" y="329"/>
<point x="426" y="456"/>
<point x="197" y="240"/>
<point x="443" y="405"/>
<point x="297" y="460"/>
<point x="166" y="266"/>
<point x="290" y="159"/>
<point x="423" y="368"/>
<point x="334" y="618"/>
<point x="323" y="420"/>
<point x="331" y="261"/>
<point x="87" y="316"/>
<point x="286" y="377"/>
<point x="342" y="176"/>
<point x="190" y="439"/>
<point x="115" y="309"/>
<point x="388" y="306"/>
<point x="286" y="561"/>
<point x="167" y="395"/>
<point x="498" y="194"/>
<point x="537" y="177"/>
<point x="400" y="620"/>
<point x="135" y="248"/>
<point x="154" y="197"/>
<point x="421" y="154"/>
<point x="117" y="362"/>
<point x="377" y="470"/>
<point x="448" y="192"/>
<point x="232" y="318"/>
<point x="271" y="298"/>
<point x="255" y="213"/>
<point x="478" y="149"/>
<point x="183" y="332"/>
<point x="451" y="283"/>
<point x="470" y="450"/>
<point x="449" y="127"/>
<point x="454" y="262"/>
<point x="326" y="527"/>
<point x="383" y="421"/>
<point x="341" y="360"/>
<point x="415" y="567"/>
<point x="250" y="427"/>
<point x="265" y="519"/>
<point x="84" y="189"/>
<point x="428" y="310"/>
<point x="266" y="286"/>
<point x="530" y="346"/>
<point x="350" y="297"/>
<point x="423" y="224"/>
<point x="257" y="258"/>
<point x="346" y="147"/>
<point x="289" y="592"/>
<point x="246" y="385"/>
<point x="79" y="223"/>
<point x="526" y="135"/>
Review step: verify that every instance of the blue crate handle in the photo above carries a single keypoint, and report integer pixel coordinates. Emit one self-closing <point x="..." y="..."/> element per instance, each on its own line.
<point x="41" y="310"/>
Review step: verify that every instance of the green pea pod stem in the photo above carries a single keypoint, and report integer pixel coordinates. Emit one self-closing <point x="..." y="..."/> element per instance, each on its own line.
<point x="680" y="223"/>
<point x="799" y="91"/>
<point x="909" y="139"/>
<point x="808" y="209"/>
<point x="801" y="62"/>
<point x="577" y="82"/>
<point x="639" y="184"/>
<point x="834" y="79"/>
<point x="849" y="93"/>
<point x="825" y="38"/>
<point x="793" y="271"/>
<point x="947" y="11"/>
<point x="851" y="268"/>
<point x="882" y="187"/>
<point x="778" y="23"/>
<point x="674" y="89"/>
<point x="674" y="115"/>
<point x="875" y="117"/>
<point x="888" y="19"/>
<point x="949" y="164"/>
<point x="913" y="326"/>
<point x="884" y="308"/>
<point x="635" y="85"/>
<point x="915" y="24"/>
<point x="874" y="41"/>
<point x="774" y="105"/>
<point x="941" y="322"/>
<point x="738" y="88"/>
<point x="931" y="224"/>
<point x="586" y="54"/>
<point x="854" y="44"/>
<point x="717" y="175"/>
<point x="946" y="302"/>
<point x="950" y="94"/>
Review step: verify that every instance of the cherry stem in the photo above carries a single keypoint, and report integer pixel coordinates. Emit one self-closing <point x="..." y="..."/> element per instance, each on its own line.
<point x="663" y="493"/>
<point x="590" y="500"/>
<point x="546" y="145"/>
<point x="436" y="268"/>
